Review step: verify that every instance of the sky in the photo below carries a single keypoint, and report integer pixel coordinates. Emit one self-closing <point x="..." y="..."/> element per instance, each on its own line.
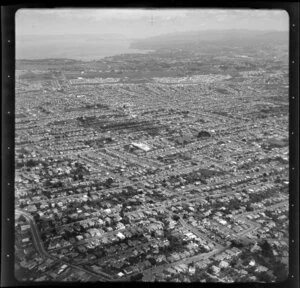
<point x="143" y="23"/>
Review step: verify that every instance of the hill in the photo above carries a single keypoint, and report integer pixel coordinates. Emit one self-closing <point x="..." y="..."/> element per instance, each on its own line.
<point x="198" y="38"/>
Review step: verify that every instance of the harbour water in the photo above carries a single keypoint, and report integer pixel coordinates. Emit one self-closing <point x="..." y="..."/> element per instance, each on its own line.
<point x="72" y="47"/>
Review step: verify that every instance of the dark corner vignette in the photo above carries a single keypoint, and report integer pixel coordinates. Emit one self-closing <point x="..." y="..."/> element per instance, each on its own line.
<point x="113" y="120"/>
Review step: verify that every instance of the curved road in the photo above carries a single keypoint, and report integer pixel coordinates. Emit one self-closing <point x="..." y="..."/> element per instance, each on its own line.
<point x="39" y="246"/>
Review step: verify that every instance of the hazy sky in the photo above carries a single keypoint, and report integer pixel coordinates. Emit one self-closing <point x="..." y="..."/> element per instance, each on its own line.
<point x="137" y="23"/>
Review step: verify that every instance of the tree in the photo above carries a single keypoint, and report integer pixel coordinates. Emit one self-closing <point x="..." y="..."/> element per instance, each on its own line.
<point x="175" y="242"/>
<point x="137" y="277"/>
<point x="249" y="208"/>
<point x="31" y="163"/>
<point x="37" y="217"/>
<point x="266" y="249"/>
<point x="236" y="243"/>
<point x="265" y="277"/>
<point x="233" y="262"/>
<point x="152" y="261"/>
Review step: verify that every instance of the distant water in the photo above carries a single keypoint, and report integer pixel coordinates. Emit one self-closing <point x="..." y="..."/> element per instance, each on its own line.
<point x="79" y="48"/>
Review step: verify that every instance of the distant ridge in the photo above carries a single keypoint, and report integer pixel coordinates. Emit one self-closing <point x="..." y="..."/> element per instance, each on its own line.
<point x="49" y="61"/>
<point x="225" y="36"/>
<point x="29" y="37"/>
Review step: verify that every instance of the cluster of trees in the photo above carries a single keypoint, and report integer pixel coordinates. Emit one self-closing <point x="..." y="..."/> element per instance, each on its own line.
<point x="203" y="134"/>
<point x="98" y="142"/>
<point x="137" y="277"/>
<point x="258" y="197"/>
<point x="49" y="184"/>
<point x="29" y="163"/>
<point x="234" y="204"/>
<point x="277" y="270"/>
<point x="176" y="243"/>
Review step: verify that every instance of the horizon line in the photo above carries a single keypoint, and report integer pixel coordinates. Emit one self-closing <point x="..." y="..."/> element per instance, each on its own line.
<point x="175" y="32"/>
